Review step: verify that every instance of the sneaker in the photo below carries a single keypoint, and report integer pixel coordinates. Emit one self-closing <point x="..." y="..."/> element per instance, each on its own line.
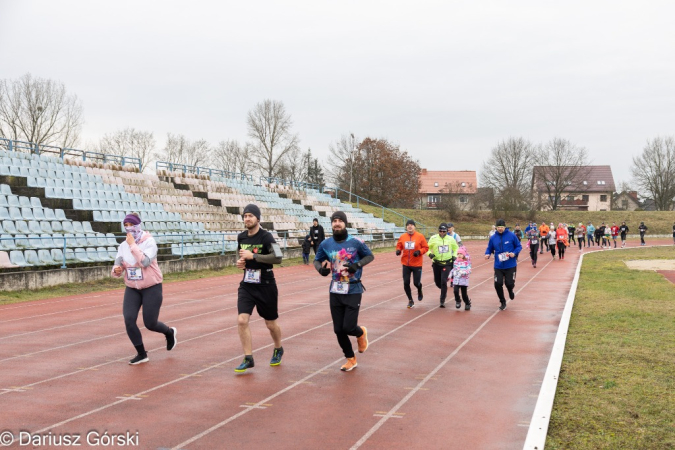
<point x="420" y="296"/>
<point x="534" y="265"/>
<point x="349" y="365"/>
<point x="276" y="356"/>
<point x="442" y="304"/>
<point x="363" y="340"/>
<point x="139" y="359"/>
<point x="245" y="364"/>
<point x="458" y="305"/>
<point x="502" y="306"/>
<point x="171" y="340"/>
<point x="467" y="306"/>
<point x="512" y="295"/>
<point x="411" y="304"/>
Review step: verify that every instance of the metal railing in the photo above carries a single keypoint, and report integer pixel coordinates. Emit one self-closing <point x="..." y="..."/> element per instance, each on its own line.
<point x="196" y="170"/>
<point x="291" y="183"/>
<point x="63" y="153"/>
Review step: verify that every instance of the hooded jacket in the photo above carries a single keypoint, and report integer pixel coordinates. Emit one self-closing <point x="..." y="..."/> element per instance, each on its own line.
<point x="142" y="255"/>
<point x="506" y="242"/>
<point x="409" y="244"/>
<point x="460" y="272"/>
<point x="543" y="230"/>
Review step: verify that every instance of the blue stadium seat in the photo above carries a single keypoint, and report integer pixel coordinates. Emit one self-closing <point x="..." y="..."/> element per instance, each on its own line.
<point x="49" y="214"/>
<point x="21" y="226"/>
<point x="16" y="257"/>
<point x="13" y="200"/>
<point x="92" y="254"/>
<point x="57" y="255"/>
<point x="4" y="213"/>
<point x="60" y="215"/>
<point x="24" y="202"/>
<point x="56" y="226"/>
<point x="32" y="258"/>
<point x="81" y="255"/>
<point x="80" y="240"/>
<point x="112" y="252"/>
<point x="7" y="242"/>
<point x="34" y="226"/>
<point x="45" y="227"/>
<point x="9" y="226"/>
<point x="21" y="241"/>
<point x="27" y="213"/>
<point x="3" y="201"/>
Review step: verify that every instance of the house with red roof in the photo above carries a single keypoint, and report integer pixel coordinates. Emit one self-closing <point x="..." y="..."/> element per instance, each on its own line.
<point x="438" y="186"/>
<point x="589" y="189"/>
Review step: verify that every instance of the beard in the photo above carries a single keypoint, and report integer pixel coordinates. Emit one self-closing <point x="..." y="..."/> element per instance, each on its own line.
<point x="250" y="226"/>
<point x="340" y="235"/>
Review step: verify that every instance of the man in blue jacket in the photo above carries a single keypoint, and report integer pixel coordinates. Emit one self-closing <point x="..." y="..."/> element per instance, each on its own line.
<point x="506" y="247"/>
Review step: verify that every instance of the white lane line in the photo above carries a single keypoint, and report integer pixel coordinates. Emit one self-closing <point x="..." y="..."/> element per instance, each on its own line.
<point x="420" y="385"/>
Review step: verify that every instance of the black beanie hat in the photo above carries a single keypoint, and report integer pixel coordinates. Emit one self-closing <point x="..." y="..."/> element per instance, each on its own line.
<point x="339" y="215"/>
<point x="252" y="209"/>
<point x="443" y="227"/>
<point x="410" y="222"/>
<point x="500" y="223"/>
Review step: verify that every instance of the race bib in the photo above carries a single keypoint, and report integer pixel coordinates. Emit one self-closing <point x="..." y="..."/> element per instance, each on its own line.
<point x="503" y="256"/>
<point x="443" y="249"/>
<point x="534" y="241"/>
<point x="252" y="276"/>
<point x="339" y="287"/>
<point x="134" y="273"/>
<point x="410" y="245"/>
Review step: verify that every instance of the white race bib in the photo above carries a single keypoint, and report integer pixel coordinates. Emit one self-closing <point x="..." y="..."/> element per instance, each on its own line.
<point x="410" y="245"/>
<point x="134" y="273"/>
<point x="339" y="287"/>
<point x="534" y="241"/>
<point x="443" y="249"/>
<point x="252" y="276"/>
<point x="503" y="256"/>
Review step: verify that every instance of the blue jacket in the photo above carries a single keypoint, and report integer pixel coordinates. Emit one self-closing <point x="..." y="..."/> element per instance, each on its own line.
<point x="507" y="242"/>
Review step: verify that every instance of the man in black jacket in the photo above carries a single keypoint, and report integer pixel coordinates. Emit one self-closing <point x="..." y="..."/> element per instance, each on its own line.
<point x="316" y="235"/>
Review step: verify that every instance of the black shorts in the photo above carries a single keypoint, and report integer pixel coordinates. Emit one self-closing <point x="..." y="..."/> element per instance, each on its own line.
<point x="265" y="298"/>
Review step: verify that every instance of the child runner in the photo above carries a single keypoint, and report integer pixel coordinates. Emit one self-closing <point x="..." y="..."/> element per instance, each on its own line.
<point x="306" y="248"/>
<point x="460" y="279"/>
<point x="137" y="260"/>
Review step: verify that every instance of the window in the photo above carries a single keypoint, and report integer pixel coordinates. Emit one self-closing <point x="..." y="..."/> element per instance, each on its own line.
<point x="570" y="198"/>
<point x="603" y="198"/>
<point x="433" y="198"/>
<point x="463" y="198"/>
<point x="463" y="185"/>
<point x="624" y="204"/>
<point x="584" y="198"/>
<point x="435" y="184"/>
<point x="601" y="182"/>
<point x="585" y="183"/>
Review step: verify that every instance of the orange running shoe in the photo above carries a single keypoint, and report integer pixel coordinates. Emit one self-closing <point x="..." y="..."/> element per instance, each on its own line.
<point x="363" y="340"/>
<point x="349" y="365"/>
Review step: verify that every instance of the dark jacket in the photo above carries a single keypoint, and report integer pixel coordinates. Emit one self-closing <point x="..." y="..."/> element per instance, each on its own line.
<point x="507" y="242"/>
<point x="306" y="245"/>
<point x="316" y="234"/>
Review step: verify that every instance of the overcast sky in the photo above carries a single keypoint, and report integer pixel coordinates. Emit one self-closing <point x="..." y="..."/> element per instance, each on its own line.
<point x="445" y="80"/>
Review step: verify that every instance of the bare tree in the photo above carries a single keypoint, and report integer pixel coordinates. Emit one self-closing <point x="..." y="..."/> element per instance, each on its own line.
<point x="39" y="111"/>
<point x="562" y="167"/>
<point x="654" y="171"/>
<point x="508" y="173"/>
<point x="341" y="159"/>
<point x="130" y="142"/>
<point x="180" y="150"/>
<point x="269" y="125"/>
<point x="231" y="156"/>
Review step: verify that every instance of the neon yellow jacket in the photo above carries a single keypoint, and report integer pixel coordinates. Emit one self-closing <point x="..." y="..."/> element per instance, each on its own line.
<point x="435" y="244"/>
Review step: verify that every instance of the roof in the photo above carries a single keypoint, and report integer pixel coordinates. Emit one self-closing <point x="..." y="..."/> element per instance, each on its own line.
<point x="596" y="179"/>
<point x="461" y="181"/>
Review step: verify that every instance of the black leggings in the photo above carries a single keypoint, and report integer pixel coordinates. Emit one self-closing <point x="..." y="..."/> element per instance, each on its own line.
<point x="572" y="239"/>
<point x="533" y="252"/>
<point x="544" y="244"/>
<point x="344" y="309"/>
<point x="417" y="279"/>
<point x="151" y="300"/>
<point x="465" y="295"/>
<point x="441" y="274"/>
<point x="642" y="237"/>
<point x="552" y="248"/>
<point x="504" y="276"/>
<point x="561" y="249"/>
<point x="582" y="240"/>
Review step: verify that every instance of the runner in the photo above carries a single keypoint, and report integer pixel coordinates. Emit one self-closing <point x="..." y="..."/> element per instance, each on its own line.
<point x="519" y="234"/>
<point x="461" y="270"/>
<point x="599" y="232"/>
<point x="581" y="235"/>
<point x="552" y="241"/>
<point x="452" y="234"/>
<point x="623" y="230"/>
<point x="543" y="234"/>
<point x="561" y="235"/>
<point x="590" y="234"/>
<point x="642" y="229"/>
<point x="505" y="246"/>
<point x="258" y="251"/>
<point x="343" y="256"/>
<point x="532" y="235"/>
<point x="137" y="260"/>
<point x="442" y="251"/>
<point x="492" y="232"/>
<point x="411" y="246"/>
<point x="571" y="232"/>
<point x="615" y="232"/>
<point x="316" y="235"/>
<point x="607" y="237"/>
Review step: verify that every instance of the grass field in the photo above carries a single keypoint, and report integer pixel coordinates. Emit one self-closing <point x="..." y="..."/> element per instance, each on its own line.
<point x="479" y="223"/>
<point x="617" y="383"/>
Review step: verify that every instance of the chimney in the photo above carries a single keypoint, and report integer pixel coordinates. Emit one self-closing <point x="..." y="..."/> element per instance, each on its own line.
<point x="424" y="171"/>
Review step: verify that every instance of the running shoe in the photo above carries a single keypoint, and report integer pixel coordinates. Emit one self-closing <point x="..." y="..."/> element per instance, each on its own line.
<point x="362" y="341"/>
<point x="512" y="294"/>
<point x="420" y="296"/>
<point x="349" y="365"/>
<point x="139" y="359"/>
<point x="467" y="306"/>
<point x="458" y="305"/>
<point x="502" y="306"/>
<point x="171" y="340"/>
<point x="411" y="304"/>
<point x="442" y="304"/>
<point x="245" y="364"/>
<point x="276" y="356"/>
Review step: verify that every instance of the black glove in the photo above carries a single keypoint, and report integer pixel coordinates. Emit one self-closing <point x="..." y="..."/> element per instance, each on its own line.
<point x="324" y="271"/>
<point x="416" y="253"/>
<point x="431" y="255"/>
<point x="352" y="268"/>
<point x="398" y="252"/>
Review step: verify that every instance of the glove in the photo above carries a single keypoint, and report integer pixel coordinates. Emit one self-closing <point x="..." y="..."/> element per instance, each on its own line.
<point x="431" y="255"/>
<point x="352" y="268"/>
<point x="398" y="252"/>
<point x="416" y="253"/>
<point x="324" y="271"/>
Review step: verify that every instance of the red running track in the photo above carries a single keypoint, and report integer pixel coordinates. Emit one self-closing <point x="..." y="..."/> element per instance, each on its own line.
<point x="431" y="378"/>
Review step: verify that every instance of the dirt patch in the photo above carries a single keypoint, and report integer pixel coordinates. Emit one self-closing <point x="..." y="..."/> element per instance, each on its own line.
<point x="651" y="264"/>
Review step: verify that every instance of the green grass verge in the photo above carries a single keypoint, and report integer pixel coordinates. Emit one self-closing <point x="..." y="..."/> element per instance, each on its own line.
<point x="617" y="383"/>
<point x="107" y="284"/>
<point x="480" y="222"/>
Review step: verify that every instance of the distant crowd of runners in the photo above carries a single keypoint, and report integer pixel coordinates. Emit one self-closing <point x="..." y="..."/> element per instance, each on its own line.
<point x="343" y="257"/>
